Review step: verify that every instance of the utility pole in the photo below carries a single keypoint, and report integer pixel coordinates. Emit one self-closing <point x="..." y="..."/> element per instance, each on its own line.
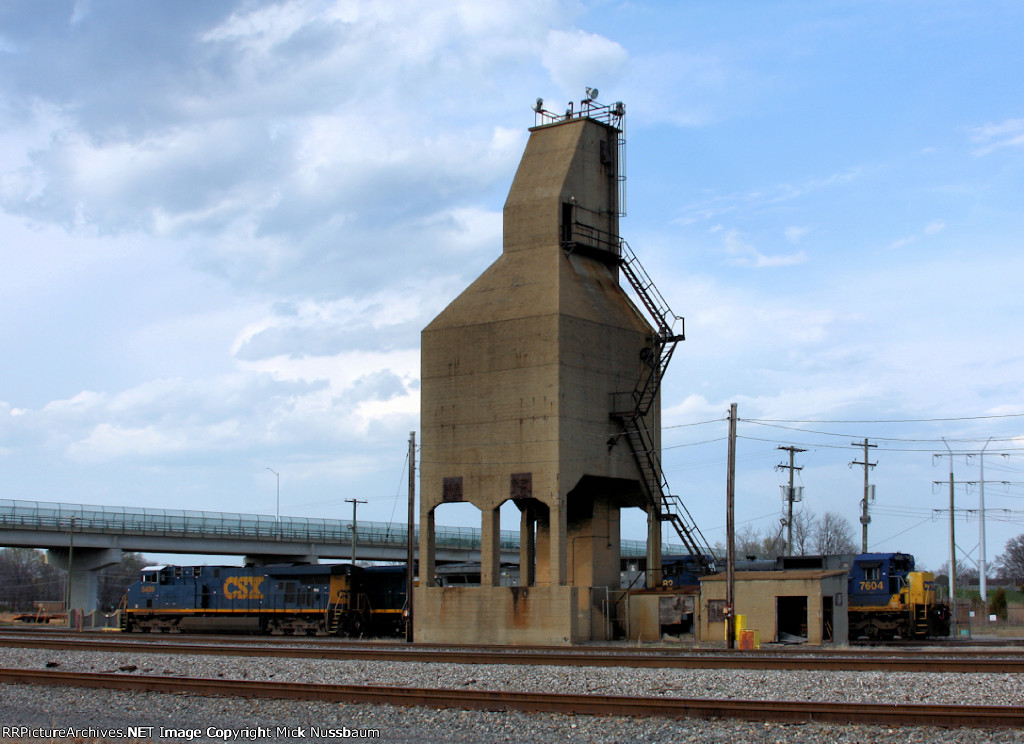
<point x="730" y="530"/>
<point x="790" y="494"/>
<point x="981" y="528"/>
<point x="952" y="544"/>
<point x="865" y="518"/>
<point x="277" y="513"/>
<point x="67" y="584"/>
<point x="410" y="569"/>
<point x="355" y="503"/>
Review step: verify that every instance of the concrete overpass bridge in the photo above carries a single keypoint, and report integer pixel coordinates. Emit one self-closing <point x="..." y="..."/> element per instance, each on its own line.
<point x="89" y="538"/>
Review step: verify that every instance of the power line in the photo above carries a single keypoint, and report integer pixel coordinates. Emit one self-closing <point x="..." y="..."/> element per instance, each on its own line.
<point x="884" y="439"/>
<point x="885" y="421"/>
<point x="822" y="445"/>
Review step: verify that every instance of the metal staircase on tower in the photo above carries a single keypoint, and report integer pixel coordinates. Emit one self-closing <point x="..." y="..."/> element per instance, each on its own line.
<point x="631" y="410"/>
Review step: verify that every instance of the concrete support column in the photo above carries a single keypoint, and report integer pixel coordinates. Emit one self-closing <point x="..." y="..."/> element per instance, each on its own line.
<point x="83" y="576"/>
<point x="653" y="547"/>
<point x="490" y="547"/>
<point x="559" y="542"/>
<point x="543" y="575"/>
<point x="527" y="546"/>
<point x="427" y="548"/>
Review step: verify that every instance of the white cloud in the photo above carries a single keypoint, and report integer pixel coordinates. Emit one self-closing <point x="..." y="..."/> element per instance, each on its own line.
<point x="577" y="59"/>
<point x="684" y="88"/>
<point x="111" y="442"/>
<point x="795" y="234"/>
<point x="991" y="137"/>
<point x="286" y="125"/>
<point x="932" y="228"/>
<point x="746" y="255"/>
<point x="716" y="205"/>
<point x="903" y="242"/>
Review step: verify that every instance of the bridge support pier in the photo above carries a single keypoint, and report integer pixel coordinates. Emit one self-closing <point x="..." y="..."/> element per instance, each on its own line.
<point x="84" y="576"/>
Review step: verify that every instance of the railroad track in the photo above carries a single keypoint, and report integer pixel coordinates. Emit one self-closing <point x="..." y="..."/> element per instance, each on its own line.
<point x="973" y="647"/>
<point x="960" y="716"/>
<point x="1007" y="646"/>
<point x="835" y="661"/>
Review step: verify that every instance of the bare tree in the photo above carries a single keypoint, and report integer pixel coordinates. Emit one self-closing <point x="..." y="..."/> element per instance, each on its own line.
<point x="773" y="544"/>
<point x="833" y="535"/>
<point x="115" y="580"/>
<point x="965" y="573"/>
<point x="748" y="542"/>
<point x="1010" y="565"/>
<point x="25" y="577"/>
<point x="805" y="524"/>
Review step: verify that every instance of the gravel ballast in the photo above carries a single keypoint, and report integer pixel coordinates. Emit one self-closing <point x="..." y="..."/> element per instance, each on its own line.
<point x="22" y="705"/>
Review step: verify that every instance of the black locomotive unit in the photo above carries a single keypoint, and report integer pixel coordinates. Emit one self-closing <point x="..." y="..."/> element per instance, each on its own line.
<point x="312" y="599"/>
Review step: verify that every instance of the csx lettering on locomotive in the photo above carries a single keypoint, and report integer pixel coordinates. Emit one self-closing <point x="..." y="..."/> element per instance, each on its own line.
<point x="243" y="587"/>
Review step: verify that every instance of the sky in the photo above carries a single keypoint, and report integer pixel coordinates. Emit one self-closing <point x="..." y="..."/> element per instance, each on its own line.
<point x="224" y="225"/>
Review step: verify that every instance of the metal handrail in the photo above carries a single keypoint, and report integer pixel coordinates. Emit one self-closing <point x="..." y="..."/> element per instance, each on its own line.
<point x="39" y="515"/>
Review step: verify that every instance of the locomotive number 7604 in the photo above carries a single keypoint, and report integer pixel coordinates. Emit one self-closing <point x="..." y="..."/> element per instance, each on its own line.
<point x="871" y="586"/>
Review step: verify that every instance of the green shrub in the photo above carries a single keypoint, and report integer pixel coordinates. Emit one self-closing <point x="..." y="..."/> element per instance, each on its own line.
<point x="997" y="603"/>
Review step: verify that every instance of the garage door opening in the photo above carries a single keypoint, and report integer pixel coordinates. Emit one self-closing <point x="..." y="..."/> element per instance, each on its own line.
<point x="791" y="619"/>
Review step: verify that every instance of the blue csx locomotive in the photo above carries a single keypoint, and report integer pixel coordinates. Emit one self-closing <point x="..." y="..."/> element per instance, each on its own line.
<point x="313" y="599"/>
<point x="888" y="598"/>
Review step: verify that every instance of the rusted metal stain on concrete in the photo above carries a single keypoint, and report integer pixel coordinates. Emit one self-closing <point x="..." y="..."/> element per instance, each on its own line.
<point x="452" y="489"/>
<point x="521" y="486"/>
<point x="520" y="606"/>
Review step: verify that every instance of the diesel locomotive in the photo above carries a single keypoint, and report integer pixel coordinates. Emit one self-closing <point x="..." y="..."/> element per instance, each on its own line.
<point x="310" y="599"/>
<point x="888" y="598"/>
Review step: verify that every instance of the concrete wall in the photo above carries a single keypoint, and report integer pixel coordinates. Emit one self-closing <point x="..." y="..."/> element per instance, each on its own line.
<point x="644" y="610"/>
<point x="497" y="614"/>
<point x="756" y="599"/>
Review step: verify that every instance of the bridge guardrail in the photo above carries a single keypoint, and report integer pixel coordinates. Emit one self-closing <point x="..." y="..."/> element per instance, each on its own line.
<point x="81" y="518"/>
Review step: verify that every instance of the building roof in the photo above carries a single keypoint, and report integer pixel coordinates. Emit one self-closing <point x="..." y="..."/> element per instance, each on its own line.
<point x="812" y="575"/>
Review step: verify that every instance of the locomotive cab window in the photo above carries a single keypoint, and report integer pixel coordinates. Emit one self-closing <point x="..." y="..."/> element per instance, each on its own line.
<point x="873" y="573"/>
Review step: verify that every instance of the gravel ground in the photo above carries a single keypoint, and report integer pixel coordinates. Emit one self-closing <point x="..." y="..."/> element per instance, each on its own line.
<point x="99" y="709"/>
<point x="874" y="687"/>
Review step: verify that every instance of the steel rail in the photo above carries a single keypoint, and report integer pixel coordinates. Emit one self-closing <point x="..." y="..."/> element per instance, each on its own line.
<point x="1007" y="647"/>
<point x="960" y="716"/>
<point x="757" y="661"/>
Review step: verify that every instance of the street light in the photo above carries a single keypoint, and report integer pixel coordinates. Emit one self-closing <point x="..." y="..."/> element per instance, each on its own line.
<point x="278" y="512"/>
